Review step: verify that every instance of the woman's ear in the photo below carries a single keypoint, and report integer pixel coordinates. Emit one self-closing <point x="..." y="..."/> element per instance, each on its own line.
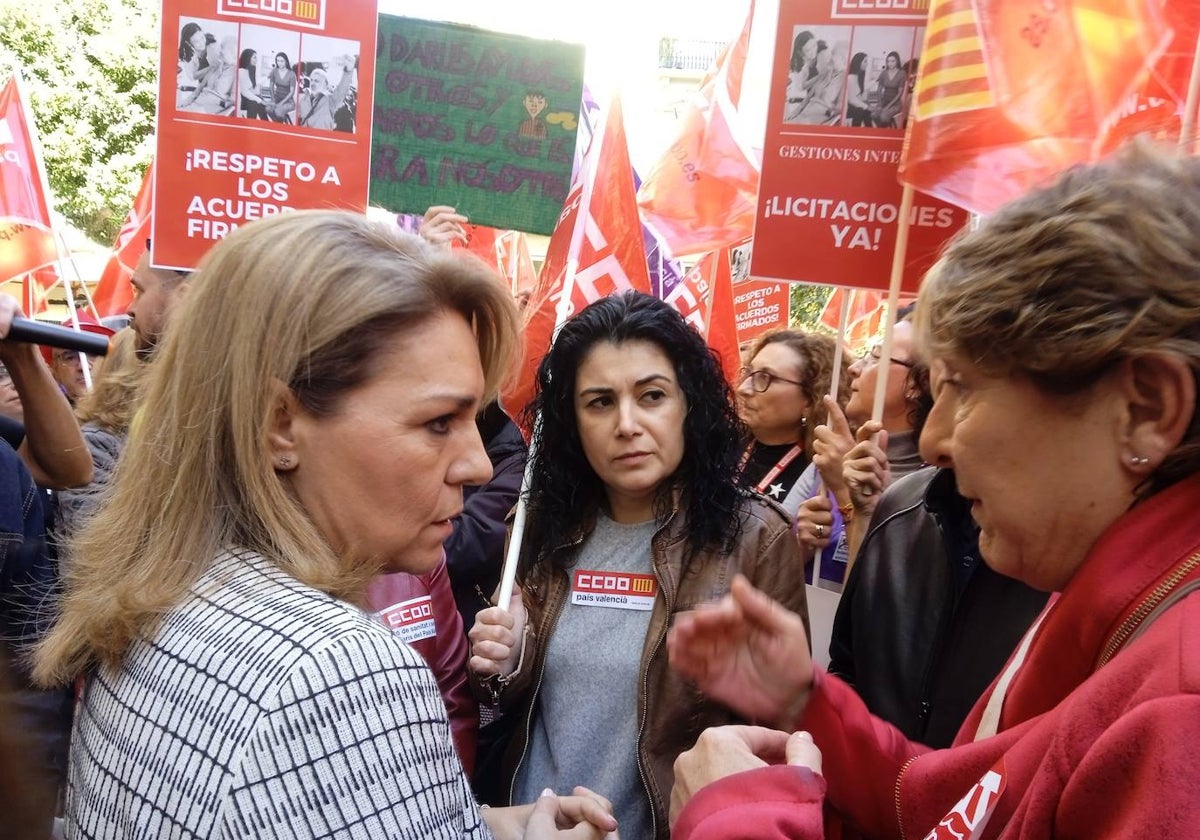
<point x="282" y="442"/>
<point x="1160" y="394"/>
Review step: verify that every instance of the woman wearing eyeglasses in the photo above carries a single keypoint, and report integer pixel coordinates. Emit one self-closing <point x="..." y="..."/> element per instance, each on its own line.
<point x="779" y="399"/>
<point x="857" y="458"/>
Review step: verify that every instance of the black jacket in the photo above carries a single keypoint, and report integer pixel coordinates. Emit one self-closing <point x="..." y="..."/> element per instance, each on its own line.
<point x="475" y="550"/>
<point x="924" y="626"/>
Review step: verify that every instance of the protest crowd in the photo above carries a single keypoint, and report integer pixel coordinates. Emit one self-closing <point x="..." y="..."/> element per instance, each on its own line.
<point x="351" y="533"/>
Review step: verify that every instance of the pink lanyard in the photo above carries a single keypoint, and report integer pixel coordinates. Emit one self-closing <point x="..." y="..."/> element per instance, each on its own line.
<point x="773" y="473"/>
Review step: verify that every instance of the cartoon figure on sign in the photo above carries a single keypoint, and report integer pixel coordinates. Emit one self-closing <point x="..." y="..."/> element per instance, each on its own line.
<point x="535" y="103"/>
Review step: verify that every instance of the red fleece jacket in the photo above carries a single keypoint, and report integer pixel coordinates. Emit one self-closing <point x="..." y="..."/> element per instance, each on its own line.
<point x="422" y="611"/>
<point x="1087" y="747"/>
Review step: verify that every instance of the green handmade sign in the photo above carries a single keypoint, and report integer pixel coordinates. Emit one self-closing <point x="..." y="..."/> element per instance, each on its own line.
<point x="482" y="121"/>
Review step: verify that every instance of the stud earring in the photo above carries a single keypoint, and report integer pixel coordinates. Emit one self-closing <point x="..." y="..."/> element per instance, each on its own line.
<point x="285" y="462"/>
<point x="1139" y="460"/>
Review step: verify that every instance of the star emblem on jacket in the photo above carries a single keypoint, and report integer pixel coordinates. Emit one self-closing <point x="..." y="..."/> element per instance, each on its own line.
<point x="775" y="491"/>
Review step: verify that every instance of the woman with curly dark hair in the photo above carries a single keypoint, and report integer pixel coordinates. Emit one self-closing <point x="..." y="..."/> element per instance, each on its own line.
<point x="634" y="514"/>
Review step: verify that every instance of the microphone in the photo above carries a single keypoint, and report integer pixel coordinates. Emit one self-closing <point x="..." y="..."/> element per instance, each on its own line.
<point x="52" y="335"/>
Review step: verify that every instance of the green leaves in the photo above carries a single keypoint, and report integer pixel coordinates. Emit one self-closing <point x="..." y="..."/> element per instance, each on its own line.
<point x="90" y="68"/>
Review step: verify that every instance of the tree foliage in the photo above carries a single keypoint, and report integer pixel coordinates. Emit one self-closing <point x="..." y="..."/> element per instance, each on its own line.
<point x="90" y="72"/>
<point x="807" y="301"/>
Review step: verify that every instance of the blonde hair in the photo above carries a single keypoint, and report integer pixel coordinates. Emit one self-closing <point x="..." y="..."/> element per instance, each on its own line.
<point x="307" y="298"/>
<point x="1064" y="283"/>
<point x="816" y="353"/>
<point x="113" y="397"/>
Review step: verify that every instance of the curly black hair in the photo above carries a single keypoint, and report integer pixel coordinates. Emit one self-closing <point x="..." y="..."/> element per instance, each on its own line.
<point x="565" y="493"/>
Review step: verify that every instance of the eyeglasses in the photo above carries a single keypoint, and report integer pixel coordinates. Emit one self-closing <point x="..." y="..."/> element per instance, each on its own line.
<point x="761" y="380"/>
<point x="875" y="355"/>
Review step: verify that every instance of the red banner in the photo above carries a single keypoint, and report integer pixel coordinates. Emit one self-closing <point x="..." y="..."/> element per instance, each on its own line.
<point x="262" y="108"/>
<point x="1015" y="92"/>
<point x="704" y="297"/>
<point x="606" y="254"/>
<point x="828" y="204"/>
<point x="759" y="307"/>
<point x="26" y="239"/>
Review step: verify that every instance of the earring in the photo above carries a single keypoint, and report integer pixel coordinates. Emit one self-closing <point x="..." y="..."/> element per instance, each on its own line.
<point x="1139" y="460"/>
<point x="285" y="462"/>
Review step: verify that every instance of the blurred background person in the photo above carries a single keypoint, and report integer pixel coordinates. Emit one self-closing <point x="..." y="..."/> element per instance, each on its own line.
<point x="104" y="416"/>
<point x="67" y="365"/>
<point x="301" y="431"/>
<point x="10" y="400"/>
<point x="634" y="514"/>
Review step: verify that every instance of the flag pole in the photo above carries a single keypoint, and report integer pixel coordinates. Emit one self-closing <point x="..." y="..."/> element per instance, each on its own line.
<point x="509" y="575"/>
<point x="1187" y="131"/>
<point x="893" y="298"/>
<point x="35" y="144"/>
<point x="839" y="350"/>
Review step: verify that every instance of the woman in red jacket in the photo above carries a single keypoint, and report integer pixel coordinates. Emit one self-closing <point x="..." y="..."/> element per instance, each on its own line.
<point x="1065" y="349"/>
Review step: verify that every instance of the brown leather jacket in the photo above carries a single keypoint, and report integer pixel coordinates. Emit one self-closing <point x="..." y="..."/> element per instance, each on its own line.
<point x="671" y="711"/>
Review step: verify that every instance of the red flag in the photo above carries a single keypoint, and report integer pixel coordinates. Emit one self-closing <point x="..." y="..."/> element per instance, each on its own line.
<point x="516" y="263"/>
<point x="722" y="322"/>
<point x="704" y="297"/>
<point x="596" y="249"/>
<point x="114" y="292"/>
<point x="1157" y="106"/>
<point x="702" y="194"/>
<point x="864" y="316"/>
<point x="1010" y="93"/>
<point x="26" y="237"/>
<point x="481" y="241"/>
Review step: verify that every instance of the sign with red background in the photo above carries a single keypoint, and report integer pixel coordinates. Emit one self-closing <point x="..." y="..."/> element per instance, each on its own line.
<point x="828" y="202"/>
<point x="264" y="106"/>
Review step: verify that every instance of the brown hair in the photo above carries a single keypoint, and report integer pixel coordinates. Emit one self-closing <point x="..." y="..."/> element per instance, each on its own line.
<point x="306" y="298"/>
<point x="816" y="353"/>
<point x="1064" y="283"/>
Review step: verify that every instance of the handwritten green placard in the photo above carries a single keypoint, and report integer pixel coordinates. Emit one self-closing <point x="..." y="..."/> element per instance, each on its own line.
<point x="482" y="121"/>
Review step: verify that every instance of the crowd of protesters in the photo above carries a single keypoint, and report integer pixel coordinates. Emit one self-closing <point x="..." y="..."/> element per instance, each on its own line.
<point x="250" y="561"/>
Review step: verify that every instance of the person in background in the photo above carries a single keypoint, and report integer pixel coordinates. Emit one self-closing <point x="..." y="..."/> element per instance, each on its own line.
<point x="10" y="400"/>
<point x="215" y="599"/>
<point x="1065" y="356"/>
<point x="634" y="514"/>
<point x="67" y="365"/>
<point x="156" y="292"/>
<point x="104" y="416"/>
<point x="779" y="399"/>
<point x="48" y="449"/>
<point x="420" y="610"/>
<point x="854" y="466"/>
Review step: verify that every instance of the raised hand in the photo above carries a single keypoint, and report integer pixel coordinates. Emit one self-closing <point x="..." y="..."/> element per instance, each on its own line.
<point x="442" y="226"/>
<point x="746" y="651"/>
<point x="866" y="470"/>
<point x="831" y="441"/>
<point x="497" y="638"/>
